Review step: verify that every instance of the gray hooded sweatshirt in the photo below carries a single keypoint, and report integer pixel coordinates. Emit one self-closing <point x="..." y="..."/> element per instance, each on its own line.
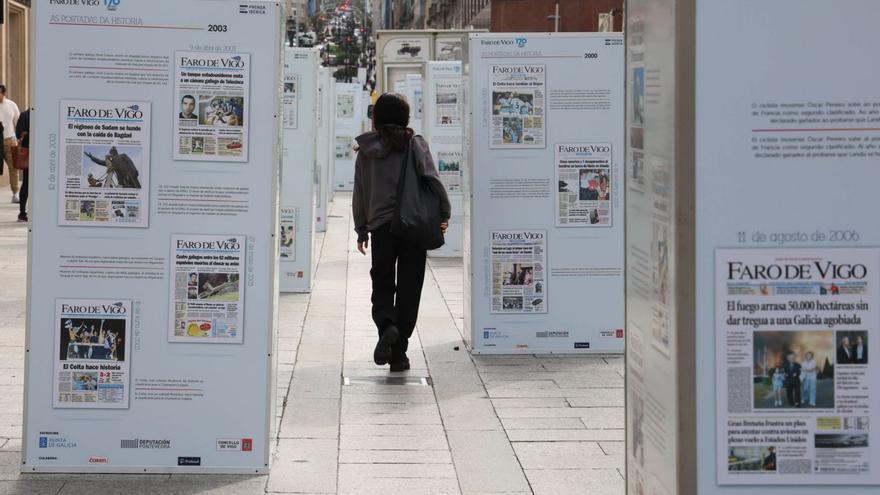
<point x="376" y="173"/>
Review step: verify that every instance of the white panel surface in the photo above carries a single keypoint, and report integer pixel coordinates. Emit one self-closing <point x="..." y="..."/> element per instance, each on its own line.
<point x="207" y="404"/>
<point x="530" y="97"/>
<point x="298" y="170"/>
<point x="442" y="121"/>
<point x="347" y="113"/>
<point x="786" y="161"/>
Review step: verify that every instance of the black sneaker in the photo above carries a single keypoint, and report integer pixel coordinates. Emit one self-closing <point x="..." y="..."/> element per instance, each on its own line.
<point x="382" y="353"/>
<point x="402" y="365"/>
<point x="22" y="217"/>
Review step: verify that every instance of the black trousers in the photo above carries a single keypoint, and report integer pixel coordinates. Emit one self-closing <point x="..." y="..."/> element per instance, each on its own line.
<point x="793" y="393"/>
<point x="23" y="193"/>
<point x="398" y="273"/>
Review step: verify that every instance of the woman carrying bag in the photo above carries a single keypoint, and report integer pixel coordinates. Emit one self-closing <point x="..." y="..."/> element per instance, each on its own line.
<point x="401" y="205"/>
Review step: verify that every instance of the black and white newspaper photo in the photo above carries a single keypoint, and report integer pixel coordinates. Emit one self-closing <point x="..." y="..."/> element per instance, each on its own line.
<point x="517" y="106"/>
<point x="518" y="258"/>
<point x="290" y="101"/>
<point x="207" y="295"/>
<point x="211" y="106"/>
<point x="287" y="234"/>
<point x="449" y="167"/>
<point x="345" y="105"/>
<point x="583" y="175"/>
<point x="106" y="163"/>
<point x="795" y="384"/>
<point x="92" y="353"/>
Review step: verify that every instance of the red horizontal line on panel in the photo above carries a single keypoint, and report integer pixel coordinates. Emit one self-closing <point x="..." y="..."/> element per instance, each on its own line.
<point x="172" y="389"/>
<point x="208" y="200"/>
<point x="853" y="129"/>
<point x="112" y="267"/>
<point x="126" y="26"/>
<point x="114" y="68"/>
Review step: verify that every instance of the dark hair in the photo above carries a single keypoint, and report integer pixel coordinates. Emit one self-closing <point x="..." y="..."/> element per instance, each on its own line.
<point x="3" y="88"/>
<point x="391" y="118"/>
<point x="191" y="97"/>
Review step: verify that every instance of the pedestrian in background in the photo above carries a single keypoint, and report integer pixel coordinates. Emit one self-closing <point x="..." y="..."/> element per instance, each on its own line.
<point x="398" y="266"/>
<point x="22" y="130"/>
<point x="9" y="114"/>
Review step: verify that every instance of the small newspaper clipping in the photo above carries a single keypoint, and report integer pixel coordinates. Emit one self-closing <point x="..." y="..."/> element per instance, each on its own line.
<point x="290" y="100"/>
<point x="518" y="260"/>
<point x="287" y="234"/>
<point x="207" y="295"/>
<point x="795" y="384"/>
<point x="92" y="357"/>
<point x="449" y="167"/>
<point x="583" y="175"/>
<point x="518" y="119"/>
<point x="211" y="112"/>
<point x="106" y="163"/>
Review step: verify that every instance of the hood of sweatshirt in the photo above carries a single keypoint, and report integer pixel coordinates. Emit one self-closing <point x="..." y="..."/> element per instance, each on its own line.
<point x="372" y="146"/>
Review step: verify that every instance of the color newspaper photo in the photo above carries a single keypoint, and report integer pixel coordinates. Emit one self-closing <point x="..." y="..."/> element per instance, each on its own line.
<point x="794" y="369"/>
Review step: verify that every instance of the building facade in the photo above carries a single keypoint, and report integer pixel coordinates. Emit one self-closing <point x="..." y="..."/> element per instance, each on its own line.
<point x="15" y="49"/>
<point x="459" y="14"/>
<point x="523" y="16"/>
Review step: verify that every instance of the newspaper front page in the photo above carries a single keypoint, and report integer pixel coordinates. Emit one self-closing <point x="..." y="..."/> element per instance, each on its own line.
<point x="92" y="357"/>
<point x="211" y="119"/>
<point x="449" y="167"/>
<point x="447" y="101"/>
<point x="583" y="175"/>
<point x="517" y="106"/>
<point x="518" y="261"/>
<point x="207" y="295"/>
<point x="106" y="171"/>
<point x="795" y="385"/>
<point x="287" y="234"/>
<point x="290" y="101"/>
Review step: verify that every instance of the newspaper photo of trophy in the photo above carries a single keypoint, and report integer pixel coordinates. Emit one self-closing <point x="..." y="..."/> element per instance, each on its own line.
<point x="92" y="339"/>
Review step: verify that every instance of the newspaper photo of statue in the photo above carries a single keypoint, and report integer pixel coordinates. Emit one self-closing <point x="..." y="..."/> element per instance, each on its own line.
<point x="112" y="167"/>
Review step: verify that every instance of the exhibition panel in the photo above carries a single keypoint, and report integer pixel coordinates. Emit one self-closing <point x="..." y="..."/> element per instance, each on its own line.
<point x="327" y="137"/>
<point x="152" y="289"/>
<point x="298" y="169"/>
<point x="348" y="121"/>
<point x="323" y="124"/>
<point x="788" y="295"/>
<point x="748" y="326"/>
<point x="442" y="128"/>
<point x="545" y="165"/>
<point x="659" y="256"/>
<point x="414" y="93"/>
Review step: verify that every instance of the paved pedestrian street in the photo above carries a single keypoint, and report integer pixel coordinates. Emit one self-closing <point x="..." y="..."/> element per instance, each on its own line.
<point x="454" y="423"/>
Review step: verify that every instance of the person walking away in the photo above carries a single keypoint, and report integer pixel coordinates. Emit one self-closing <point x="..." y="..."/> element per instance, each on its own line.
<point x="9" y="114"/>
<point x="808" y="375"/>
<point x="23" y="129"/>
<point x="398" y="266"/>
